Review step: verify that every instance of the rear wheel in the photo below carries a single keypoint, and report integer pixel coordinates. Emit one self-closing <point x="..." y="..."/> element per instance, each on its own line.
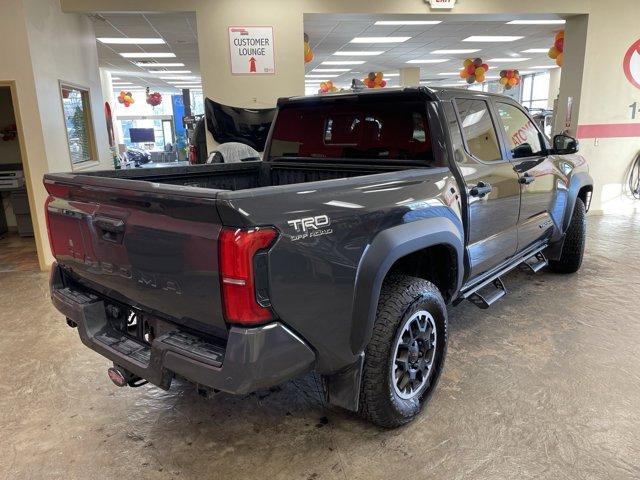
<point x="406" y="353"/>
<point x="573" y="248"/>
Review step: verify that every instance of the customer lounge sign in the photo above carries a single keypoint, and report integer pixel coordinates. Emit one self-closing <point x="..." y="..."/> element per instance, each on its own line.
<point x="251" y="50"/>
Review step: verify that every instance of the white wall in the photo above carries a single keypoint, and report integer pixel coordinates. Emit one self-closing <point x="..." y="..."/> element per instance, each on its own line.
<point x="63" y="47"/>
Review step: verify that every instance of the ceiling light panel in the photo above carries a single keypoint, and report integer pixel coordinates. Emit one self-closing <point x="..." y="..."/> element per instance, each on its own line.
<point x="429" y="60"/>
<point x="492" y="38"/>
<point x="148" y="55"/>
<point x="159" y="64"/>
<point x="455" y="52"/>
<point x="537" y="22"/>
<point x="131" y="41"/>
<point x="343" y="62"/>
<point x="535" y="50"/>
<point x="358" y="53"/>
<point x="408" y="22"/>
<point x="379" y="39"/>
<point x="507" y="60"/>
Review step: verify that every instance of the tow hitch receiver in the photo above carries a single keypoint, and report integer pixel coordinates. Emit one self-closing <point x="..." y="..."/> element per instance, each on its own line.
<point x="121" y="377"/>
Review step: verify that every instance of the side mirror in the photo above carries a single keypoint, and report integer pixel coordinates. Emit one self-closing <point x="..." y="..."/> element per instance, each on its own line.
<point x="564" y="144"/>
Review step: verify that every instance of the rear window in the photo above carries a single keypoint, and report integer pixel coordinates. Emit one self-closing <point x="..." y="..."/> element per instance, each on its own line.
<point x="353" y="130"/>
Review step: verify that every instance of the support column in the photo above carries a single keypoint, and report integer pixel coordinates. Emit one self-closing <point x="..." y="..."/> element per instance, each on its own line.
<point x="410" y="77"/>
<point x="554" y="86"/>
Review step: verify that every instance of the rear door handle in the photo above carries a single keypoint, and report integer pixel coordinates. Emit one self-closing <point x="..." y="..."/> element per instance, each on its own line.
<point x="526" y="179"/>
<point x="480" y="190"/>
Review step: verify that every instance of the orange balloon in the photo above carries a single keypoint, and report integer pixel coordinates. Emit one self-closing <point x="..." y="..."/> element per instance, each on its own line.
<point x="480" y="78"/>
<point x="463" y="73"/>
<point x="559" y="35"/>
<point x="560" y="60"/>
<point x="553" y="52"/>
<point x="513" y="81"/>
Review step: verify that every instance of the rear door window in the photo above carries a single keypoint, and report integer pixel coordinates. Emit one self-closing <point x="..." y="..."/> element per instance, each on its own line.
<point x="477" y="129"/>
<point x="362" y="129"/>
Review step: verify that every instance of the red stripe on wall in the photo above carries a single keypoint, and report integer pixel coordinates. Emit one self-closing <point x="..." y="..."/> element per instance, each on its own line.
<point x="609" y="130"/>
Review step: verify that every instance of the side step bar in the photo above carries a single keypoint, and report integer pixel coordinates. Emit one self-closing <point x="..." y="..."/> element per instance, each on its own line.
<point x="491" y="289"/>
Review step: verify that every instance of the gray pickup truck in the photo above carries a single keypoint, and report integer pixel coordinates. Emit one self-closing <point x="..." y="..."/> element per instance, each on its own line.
<point x="337" y="253"/>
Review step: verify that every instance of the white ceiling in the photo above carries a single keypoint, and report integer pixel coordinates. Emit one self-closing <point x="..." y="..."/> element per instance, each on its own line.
<point x="177" y="29"/>
<point x="329" y="33"/>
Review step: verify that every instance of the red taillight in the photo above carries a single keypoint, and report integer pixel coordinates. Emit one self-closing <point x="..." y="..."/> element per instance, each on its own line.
<point x="46" y="216"/>
<point x="237" y="250"/>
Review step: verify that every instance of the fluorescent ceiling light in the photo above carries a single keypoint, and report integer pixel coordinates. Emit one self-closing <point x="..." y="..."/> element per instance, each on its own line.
<point x="379" y="39"/>
<point x="455" y="52"/>
<point x="131" y="41"/>
<point x="507" y="60"/>
<point x="332" y="75"/>
<point x="543" y="67"/>
<point x="450" y="73"/>
<point x="148" y="55"/>
<point x="492" y="38"/>
<point x="452" y="84"/>
<point x="408" y="22"/>
<point x="122" y="83"/>
<point x="390" y="74"/>
<point x="115" y="78"/>
<point x="537" y="22"/>
<point x="536" y="50"/>
<point x="331" y="69"/>
<point x="179" y="77"/>
<point x="158" y="64"/>
<point x="361" y="53"/>
<point x="343" y="62"/>
<point x="429" y="60"/>
<point x="169" y="71"/>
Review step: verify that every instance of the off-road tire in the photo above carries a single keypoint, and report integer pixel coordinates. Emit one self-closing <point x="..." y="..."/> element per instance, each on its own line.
<point x="573" y="249"/>
<point x="400" y="298"/>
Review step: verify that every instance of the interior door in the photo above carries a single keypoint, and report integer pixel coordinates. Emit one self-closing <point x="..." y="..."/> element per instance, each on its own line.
<point x="493" y="192"/>
<point x="542" y="184"/>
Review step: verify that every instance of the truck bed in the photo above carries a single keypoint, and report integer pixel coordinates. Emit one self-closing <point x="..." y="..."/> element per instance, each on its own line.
<point x="254" y="174"/>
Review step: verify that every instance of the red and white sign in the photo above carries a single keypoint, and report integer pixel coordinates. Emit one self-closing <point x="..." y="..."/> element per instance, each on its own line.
<point x="251" y="50"/>
<point x="631" y="64"/>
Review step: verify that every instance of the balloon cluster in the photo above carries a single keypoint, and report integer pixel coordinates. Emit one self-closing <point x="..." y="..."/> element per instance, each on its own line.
<point x="509" y="78"/>
<point x="474" y="70"/>
<point x="557" y="51"/>
<point x="154" y="99"/>
<point x="328" y="87"/>
<point x="374" y="80"/>
<point x="308" y="53"/>
<point x="126" y="98"/>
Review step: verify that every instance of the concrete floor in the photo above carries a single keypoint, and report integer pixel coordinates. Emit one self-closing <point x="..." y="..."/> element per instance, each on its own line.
<point x="546" y="384"/>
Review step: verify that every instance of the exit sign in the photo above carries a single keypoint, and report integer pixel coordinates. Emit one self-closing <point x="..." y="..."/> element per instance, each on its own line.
<point x="444" y="4"/>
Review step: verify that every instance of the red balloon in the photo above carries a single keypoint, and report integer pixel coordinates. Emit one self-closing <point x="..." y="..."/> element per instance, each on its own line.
<point x="560" y="44"/>
<point x="485" y="66"/>
<point x="471" y="69"/>
<point x="509" y="73"/>
<point x="383" y="83"/>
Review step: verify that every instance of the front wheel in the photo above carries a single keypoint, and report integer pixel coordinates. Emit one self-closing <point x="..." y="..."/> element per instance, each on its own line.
<point x="406" y="353"/>
<point x="573" y="248"/>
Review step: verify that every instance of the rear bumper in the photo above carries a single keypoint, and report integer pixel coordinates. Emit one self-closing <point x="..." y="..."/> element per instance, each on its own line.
<point x="252" y="358"/>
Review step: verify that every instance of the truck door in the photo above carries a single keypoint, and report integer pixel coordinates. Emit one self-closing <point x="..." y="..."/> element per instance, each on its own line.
<point x="493" y="192"/>
<point x="542" y="184"/>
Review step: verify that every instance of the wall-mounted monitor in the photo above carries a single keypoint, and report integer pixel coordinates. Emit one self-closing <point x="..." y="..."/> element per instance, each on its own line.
<point x="142" y="135"/>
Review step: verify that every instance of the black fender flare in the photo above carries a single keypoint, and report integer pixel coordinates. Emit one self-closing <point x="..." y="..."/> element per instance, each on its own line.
<point x="380" y="255"/>
<point x="578" y="181"/>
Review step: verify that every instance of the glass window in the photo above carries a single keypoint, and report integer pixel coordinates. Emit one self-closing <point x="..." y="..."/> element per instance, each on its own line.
<point x="478" y="129"/>
<point x="535" y="90"/>
<point x="76" y="108"/>
<point x="366" y="129"/>
<point x="523" y="136"/>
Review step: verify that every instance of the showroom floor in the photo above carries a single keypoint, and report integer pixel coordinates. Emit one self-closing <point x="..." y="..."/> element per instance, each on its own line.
<point x="546" y="384"/>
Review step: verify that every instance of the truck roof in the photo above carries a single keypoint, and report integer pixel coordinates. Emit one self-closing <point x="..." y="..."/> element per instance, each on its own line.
<point x="439" y="93"/>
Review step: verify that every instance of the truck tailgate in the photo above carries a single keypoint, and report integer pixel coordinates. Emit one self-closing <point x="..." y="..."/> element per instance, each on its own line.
<point x="151" y="246"/>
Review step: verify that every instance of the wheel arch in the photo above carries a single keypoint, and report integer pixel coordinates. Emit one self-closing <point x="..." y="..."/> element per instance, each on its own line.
<point x="398" y="250"/>
<point x="580" y="186"/>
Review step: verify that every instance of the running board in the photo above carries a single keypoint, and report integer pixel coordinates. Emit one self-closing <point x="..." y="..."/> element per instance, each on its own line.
<point x="535" y="263"/>
<point x="483" y="299"/>
<point x="491" y="289"/>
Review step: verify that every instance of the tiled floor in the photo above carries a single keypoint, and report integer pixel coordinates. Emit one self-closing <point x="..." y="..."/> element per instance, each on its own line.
<point x="544" y="385"/>
<point x="18" y="254"/>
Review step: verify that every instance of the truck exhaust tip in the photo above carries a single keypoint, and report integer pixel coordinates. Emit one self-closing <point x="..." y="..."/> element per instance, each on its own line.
<point x="117" y="377"/>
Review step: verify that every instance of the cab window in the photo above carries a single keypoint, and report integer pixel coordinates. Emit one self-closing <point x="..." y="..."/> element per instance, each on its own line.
<point x="522" y="135"/>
